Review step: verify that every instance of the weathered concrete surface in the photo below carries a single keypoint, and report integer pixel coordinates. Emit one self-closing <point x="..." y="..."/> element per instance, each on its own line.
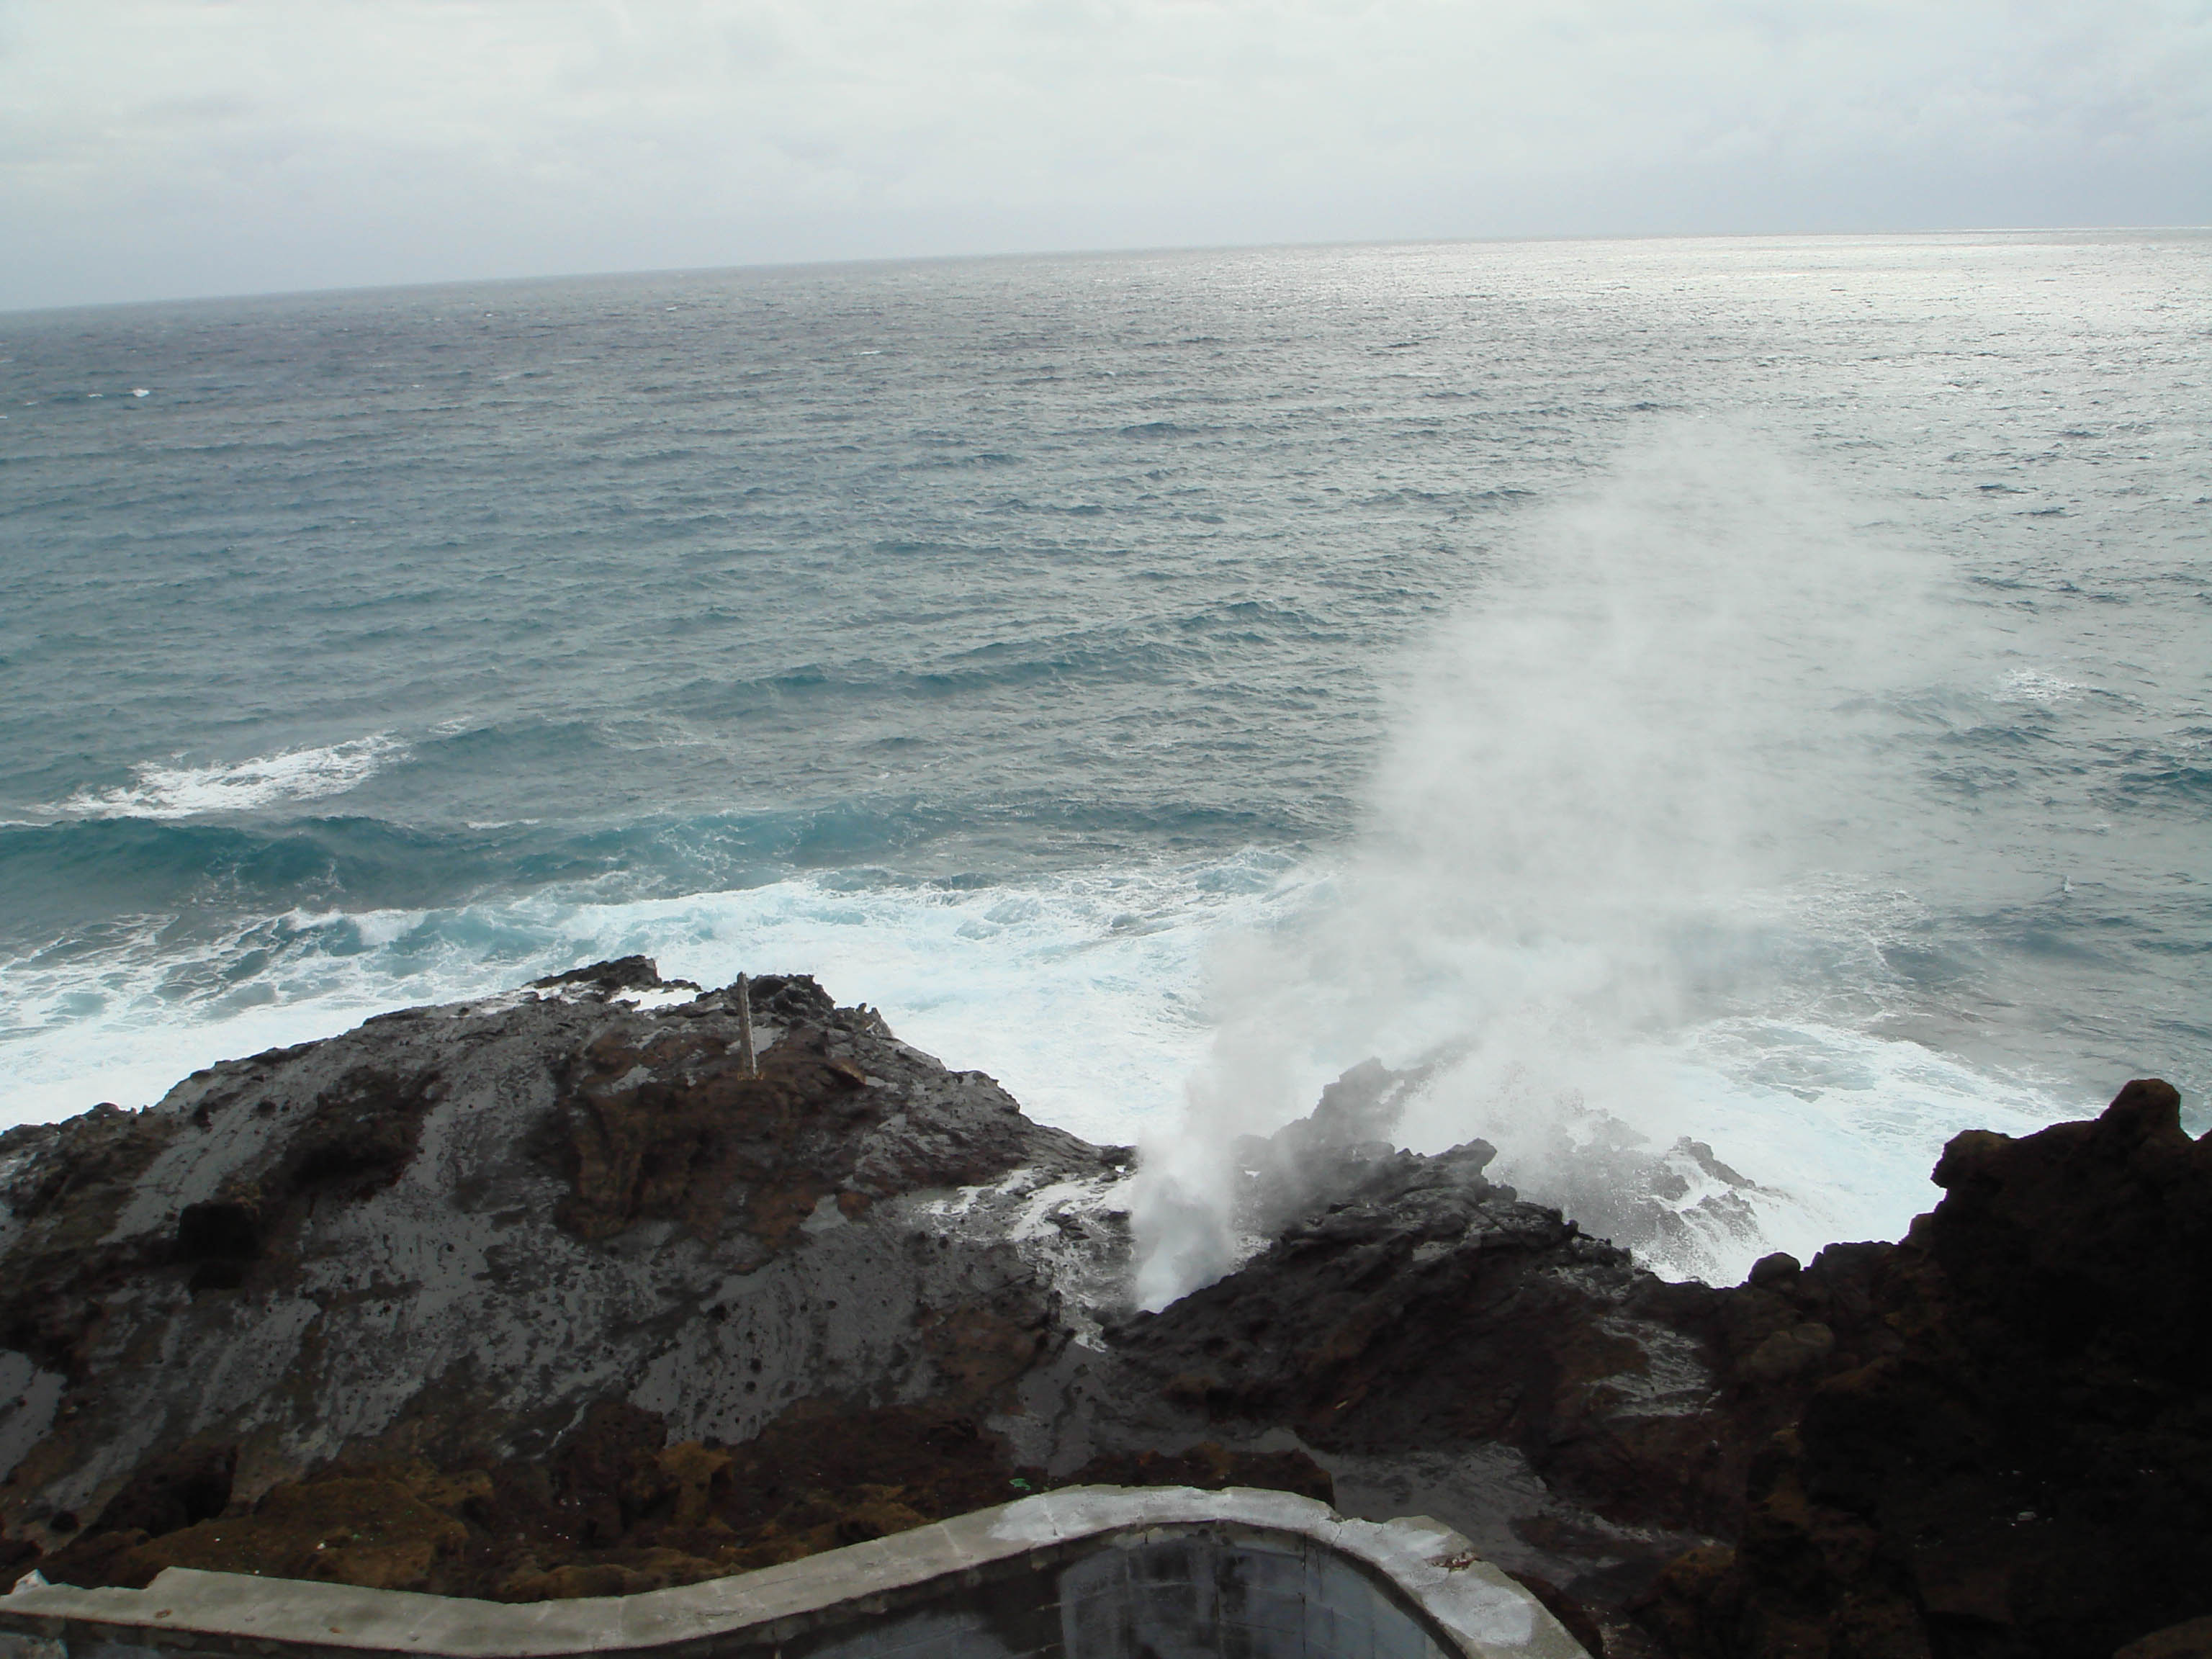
<point x="1315" y="1586"/>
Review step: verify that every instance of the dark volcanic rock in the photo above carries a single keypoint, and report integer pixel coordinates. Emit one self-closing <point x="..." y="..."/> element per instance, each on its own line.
<point x="376" y="1272"/>
<point x="2022" y="1464"/>
<point x="1993" y="1439"/>
<point x="1441" y="1345"/>
<point x="2191" y="1639"/>
<point x="64" y="1185"/>
<point x="674" y="1127"/>
<point x="617" y="974"/>
<point x="551" y="1295"/>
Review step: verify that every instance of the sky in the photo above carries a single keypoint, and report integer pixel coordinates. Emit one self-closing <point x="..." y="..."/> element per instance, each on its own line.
<point x="169" y="148"/>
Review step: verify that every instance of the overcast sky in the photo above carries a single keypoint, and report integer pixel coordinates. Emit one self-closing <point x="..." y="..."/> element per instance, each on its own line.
<point x="166" y="148"/>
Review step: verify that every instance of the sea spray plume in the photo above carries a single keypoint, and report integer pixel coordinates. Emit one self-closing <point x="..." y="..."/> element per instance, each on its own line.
<point x="1183" y="1201"/>
<point x="1653" y="718"/>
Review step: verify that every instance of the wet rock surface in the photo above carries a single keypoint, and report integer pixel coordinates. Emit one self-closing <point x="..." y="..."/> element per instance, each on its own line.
<point x="554" y="1294"/>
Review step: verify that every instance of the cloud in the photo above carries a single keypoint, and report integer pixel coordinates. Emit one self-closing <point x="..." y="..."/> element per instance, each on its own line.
<point x="154" y="146"/>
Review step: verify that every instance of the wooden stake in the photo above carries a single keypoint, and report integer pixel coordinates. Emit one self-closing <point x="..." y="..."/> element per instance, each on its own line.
<point x="745" y="1027"/>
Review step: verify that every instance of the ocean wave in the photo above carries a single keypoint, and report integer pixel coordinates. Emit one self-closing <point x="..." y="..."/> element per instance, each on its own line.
<point x="57" y="879"/>
<point x="2160" y="781"/>
<point x="1080" y="991"/>
<point x="53" y="876"/>
<point x="1090" y="994"/>
<point x="176" y="789"/>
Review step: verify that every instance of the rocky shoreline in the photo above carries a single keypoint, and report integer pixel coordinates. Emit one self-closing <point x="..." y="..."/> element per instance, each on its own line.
<point x="551" y="1295"/>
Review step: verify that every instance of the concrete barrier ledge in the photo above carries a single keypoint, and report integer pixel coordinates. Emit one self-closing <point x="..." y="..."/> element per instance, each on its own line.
<point x="1467" y="1605"/>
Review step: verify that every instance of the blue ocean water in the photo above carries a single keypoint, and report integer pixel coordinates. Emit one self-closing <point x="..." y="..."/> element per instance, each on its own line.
<point x="1762" y="688"/>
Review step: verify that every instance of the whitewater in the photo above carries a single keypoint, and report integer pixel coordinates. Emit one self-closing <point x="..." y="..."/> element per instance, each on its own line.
<point x="1736" y="712"/>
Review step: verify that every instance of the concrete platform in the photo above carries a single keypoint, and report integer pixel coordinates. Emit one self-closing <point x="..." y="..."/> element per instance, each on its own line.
<point x="1086" y="1573"/>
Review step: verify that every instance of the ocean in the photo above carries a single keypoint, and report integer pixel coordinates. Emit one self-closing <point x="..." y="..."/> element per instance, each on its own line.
<point x="1748" y="701"/>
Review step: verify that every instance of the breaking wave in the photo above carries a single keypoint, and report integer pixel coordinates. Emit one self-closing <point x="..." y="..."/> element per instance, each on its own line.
<point x="177" y="789"/>
<point x="1077" y="991"/>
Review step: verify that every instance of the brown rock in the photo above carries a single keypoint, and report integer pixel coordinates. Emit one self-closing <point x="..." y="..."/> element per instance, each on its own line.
<point x="2191" y="1639"/>
<point x="2025" y="1467"/>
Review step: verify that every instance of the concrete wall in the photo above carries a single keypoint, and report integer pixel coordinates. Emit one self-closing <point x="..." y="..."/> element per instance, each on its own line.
<point x="1091" y="1572"/>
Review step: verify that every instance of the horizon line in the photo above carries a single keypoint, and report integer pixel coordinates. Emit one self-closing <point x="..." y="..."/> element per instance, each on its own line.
<point x="1128" y="252"/>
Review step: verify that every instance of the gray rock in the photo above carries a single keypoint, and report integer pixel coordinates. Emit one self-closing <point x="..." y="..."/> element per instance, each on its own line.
<point x="453" y="1230"/>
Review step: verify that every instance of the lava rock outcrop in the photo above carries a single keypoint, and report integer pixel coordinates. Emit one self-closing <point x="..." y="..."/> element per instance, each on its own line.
<point x="558" y="1294"/>
<point x="2022" y="1463"/>
<point x="351" y="1308"/>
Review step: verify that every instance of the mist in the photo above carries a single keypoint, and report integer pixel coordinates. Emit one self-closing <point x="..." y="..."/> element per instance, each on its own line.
<point x="1641" y="809"/>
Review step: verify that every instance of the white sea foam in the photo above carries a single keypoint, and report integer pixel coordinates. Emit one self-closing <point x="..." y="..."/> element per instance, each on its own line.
<point x="1834" y="1130"/>
<point x="1832" y="1127"/>
<point x="1078" y="993"/>
<point x="2032" y="686"/>
<point x="1084" y="996"/>
<point x="178" y="789"/>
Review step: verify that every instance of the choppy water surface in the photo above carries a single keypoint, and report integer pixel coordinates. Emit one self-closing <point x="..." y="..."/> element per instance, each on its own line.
<point x="1756" y="690"/>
